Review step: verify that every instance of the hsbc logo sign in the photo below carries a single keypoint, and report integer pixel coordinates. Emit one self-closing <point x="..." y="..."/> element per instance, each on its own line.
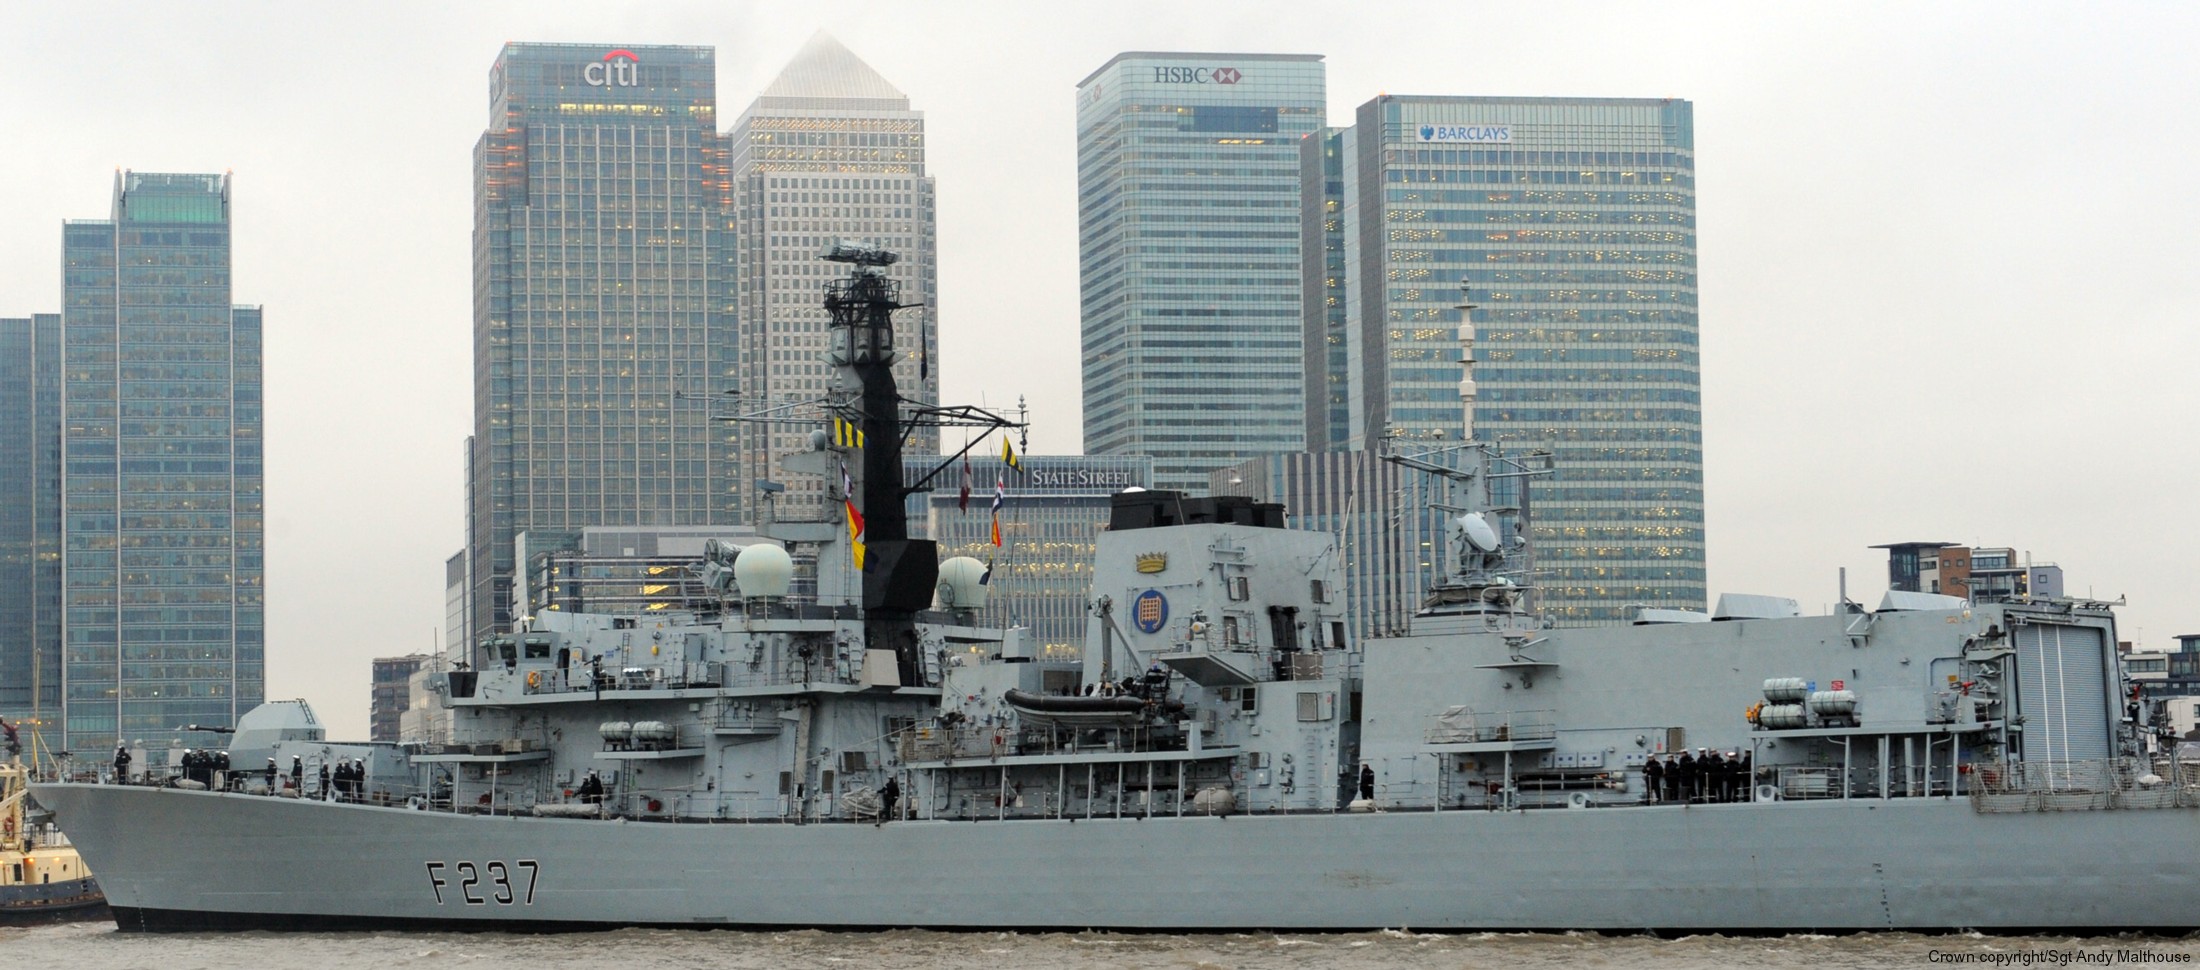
<point x="618" y="69"/>
<point x="1196" y="75"/>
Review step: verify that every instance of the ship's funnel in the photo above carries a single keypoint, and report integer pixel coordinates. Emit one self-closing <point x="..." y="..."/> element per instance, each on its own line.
<point x="764" y="571"/>
<point x="962" y="584"/>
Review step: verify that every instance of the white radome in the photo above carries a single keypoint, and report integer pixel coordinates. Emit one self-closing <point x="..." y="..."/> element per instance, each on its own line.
<point x="764" y="570"/>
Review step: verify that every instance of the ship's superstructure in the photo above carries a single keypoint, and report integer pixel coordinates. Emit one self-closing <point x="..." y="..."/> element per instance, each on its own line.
<point x="867" y="755"/>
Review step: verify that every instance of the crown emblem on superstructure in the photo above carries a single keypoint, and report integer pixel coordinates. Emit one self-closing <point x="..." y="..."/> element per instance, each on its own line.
<point x="1153" y="562"/>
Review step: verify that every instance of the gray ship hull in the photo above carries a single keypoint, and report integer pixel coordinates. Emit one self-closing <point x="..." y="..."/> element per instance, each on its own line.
<point x="178" y="860"/>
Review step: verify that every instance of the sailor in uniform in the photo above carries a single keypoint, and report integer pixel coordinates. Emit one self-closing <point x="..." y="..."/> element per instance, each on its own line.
<point x="1714" y="776"/>
<point x="1687" y="771"/>
<point x="1367" y="782"/>
<point x="1653" y="779"/>
<point x="888" y="795"/>
<point x="122" y="764"/>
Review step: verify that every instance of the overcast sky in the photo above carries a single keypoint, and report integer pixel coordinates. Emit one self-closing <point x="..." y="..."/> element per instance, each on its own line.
<point x="1947" y="250"/>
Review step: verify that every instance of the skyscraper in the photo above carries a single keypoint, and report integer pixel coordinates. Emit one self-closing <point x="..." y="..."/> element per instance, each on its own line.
<point x="1574" y="222"/>
<point x="30" y="517"/>
<point x="1324" y="322"/>
<point x="829" y="151"/>
<point x="1189" y="242"/>
<point x="391" y="694"/>
<point x="603" y="307"/>
<point x="161" y="516"/>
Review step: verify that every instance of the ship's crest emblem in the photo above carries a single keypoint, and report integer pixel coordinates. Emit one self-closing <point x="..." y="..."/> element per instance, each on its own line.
<point x="1150" y="611"/>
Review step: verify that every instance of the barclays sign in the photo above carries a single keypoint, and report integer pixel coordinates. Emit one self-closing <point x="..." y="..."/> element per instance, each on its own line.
<point x="1473" y="134"/>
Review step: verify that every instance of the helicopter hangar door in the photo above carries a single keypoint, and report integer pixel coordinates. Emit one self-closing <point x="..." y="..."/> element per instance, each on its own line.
<point x="2062" y="692"/>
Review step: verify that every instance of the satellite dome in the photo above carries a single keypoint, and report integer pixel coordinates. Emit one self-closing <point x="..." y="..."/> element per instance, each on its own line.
<point x="764" y="570"/>
<point x="1477" y="531"/>
<point x="1131" y="489"/>
<point x="960" y="587"/>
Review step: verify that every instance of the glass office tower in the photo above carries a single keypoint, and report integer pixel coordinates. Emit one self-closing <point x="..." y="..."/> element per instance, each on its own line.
<point x="603" y="312"/>
<point x="30" y="517"/>
<point x="829" y="151"/>
<point x="1188" y="223"/>
<point x="161" y="519"/>
<point x="1574" y="222"/>
<point x="1321" y="244"/>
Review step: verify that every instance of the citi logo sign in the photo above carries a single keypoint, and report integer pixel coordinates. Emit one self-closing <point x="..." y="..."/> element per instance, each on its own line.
<point x="618" y="69"/>
<point x="1196" y="75"/>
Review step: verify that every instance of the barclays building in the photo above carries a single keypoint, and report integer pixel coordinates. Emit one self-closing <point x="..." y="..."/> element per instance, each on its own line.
<point x="1573" y="221"/>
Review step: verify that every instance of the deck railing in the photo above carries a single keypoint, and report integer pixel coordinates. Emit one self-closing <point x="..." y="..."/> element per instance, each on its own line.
<point x="680" y="676"/>
<point x="2095" y="784"/>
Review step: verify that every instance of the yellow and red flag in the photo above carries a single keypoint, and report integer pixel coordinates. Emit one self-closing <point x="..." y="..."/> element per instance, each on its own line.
<point x="855" y="518"/>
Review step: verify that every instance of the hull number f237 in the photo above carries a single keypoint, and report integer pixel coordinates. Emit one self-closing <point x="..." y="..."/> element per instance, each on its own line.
<point x="484" y="883"/>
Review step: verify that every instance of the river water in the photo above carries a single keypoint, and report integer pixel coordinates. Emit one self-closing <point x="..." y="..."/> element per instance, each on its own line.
<point x="97" y="945"/>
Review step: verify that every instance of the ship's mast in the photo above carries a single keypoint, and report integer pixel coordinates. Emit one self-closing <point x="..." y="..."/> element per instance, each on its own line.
<point x="862" y="308"/>
<point x="1489" y="563"/>
<point x="898" y="573"/>
<point x="865" y="413"/>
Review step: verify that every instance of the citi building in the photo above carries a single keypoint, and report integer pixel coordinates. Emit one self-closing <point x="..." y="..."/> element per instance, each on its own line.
<point x="603" y="304"/>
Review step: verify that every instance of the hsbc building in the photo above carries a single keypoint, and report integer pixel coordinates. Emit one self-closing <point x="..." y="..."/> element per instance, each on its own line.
<point x="1187" y="206"/>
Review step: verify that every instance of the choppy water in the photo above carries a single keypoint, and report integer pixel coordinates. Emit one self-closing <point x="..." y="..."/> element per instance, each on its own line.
<point x="97" y="945"/>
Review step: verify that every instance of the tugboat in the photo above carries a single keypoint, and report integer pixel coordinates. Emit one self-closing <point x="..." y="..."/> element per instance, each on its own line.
<point x="42" y="879"/>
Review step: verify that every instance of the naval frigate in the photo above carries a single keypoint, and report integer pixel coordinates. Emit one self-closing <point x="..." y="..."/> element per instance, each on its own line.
<point x="869" y="754"/>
